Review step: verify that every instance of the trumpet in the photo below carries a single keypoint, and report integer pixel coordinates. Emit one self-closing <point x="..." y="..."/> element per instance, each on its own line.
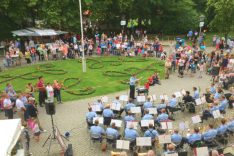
<point x="209" y="104"/>
<point x="212" y="96"/>
<point x="230" y="89"/>
<point x="207" y="90"/>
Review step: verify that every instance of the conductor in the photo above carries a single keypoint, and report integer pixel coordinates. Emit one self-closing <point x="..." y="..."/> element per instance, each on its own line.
<point x="133" y="79"/>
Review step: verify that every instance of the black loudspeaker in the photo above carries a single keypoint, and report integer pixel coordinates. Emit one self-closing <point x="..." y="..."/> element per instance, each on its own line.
<point x="215" y="70"/>
<point x="69" y="150"/>
<point x="50" y="107"/>
<point x="182" y="152"/>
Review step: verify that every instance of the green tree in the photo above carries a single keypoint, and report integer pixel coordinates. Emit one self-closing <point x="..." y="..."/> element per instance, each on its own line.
<point x="224" y="14"/>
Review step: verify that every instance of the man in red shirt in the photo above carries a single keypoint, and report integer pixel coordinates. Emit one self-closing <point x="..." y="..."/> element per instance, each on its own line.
<point x="42" y="92"/>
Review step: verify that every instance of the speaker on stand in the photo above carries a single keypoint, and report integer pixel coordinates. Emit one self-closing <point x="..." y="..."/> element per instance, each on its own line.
<point x="50" y="107"/>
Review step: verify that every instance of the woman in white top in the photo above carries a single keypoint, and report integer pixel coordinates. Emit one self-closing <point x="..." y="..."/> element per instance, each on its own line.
<point x="50" y="91"/>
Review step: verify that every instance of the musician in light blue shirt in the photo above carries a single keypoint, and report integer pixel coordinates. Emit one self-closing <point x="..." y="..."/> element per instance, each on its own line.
<point x="209" y="112"/>
<point x="97" y="130"/>
<point x="211" y="133"/>
<point x="117" y="100"/>
<point x="175" y="137"/>
<point x="161" y="117"/>
<point x="147" y="116"/>
<point x="131" y="133"/>
<point x="223" y="103"/>
<point x="133" y="79"/>
<point x="161" y="105"/>
<point x="222" y="128"/>
<point x="129" y="117"/>
<point x="107" y="112"/>
<point x="230" y="125"/>
<point x="99" y="103"/>
<point x="217" y="95"/>
<point x="172" y="102"/>
<point x="194" y="136"/>
<point x="170" y="150"/>
<point x="212" y="89"/>
<point x="112" y="131"/>
<point x="151" y="133"/>
<point x="119" y="112"/>
<point x="90" y="115"/>
<point x="196" y="93"/>
<point x="129" y="105"/>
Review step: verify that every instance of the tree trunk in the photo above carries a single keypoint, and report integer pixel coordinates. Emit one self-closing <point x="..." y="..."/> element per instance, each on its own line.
<point x="108" y="28"/>
<point x="226" y="38"/>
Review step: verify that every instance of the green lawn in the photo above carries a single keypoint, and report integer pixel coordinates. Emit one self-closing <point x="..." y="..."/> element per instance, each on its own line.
<point x="209" y="38"/>
<point x="114" y="70"/>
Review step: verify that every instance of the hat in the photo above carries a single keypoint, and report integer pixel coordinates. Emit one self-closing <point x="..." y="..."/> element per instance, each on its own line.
<point x="31" y="98"/>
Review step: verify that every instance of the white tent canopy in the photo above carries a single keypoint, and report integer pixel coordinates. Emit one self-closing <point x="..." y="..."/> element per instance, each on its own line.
<point x="9" y="133"/>
<point x="37" y="32"/>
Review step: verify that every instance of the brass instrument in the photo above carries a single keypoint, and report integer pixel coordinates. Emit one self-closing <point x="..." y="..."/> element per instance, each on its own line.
<point x="156" y="142"/>
<point x="212" y="96"/>
<point x="231" y="97"/>
<point x="230" y="89"/>
<point x="209" y="104"/>
<point x="207" y="90"/>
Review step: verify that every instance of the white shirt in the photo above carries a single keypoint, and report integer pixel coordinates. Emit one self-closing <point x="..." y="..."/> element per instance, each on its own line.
<point x="36" y="128"/>
<point x="19" y="104"/>
<point x="48" y="89"/>
<point x="6" y="103"/>
<point x="76" y="47"/>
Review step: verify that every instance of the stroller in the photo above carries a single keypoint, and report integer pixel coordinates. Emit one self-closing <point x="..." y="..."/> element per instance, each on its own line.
<point x="209" y="70"/>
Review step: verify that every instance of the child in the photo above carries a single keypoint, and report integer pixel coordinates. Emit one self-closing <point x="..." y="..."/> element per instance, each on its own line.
<point x="211" y="67"/>
<point x="98" y="50"/>
<point x="36" y="130"/>
<point x="28" y="57"/>
<point x="26" y="135"/>
<point x="28" y="90"/>
<point x="162" y="56"/>
<point x="8" y="59"/>
<point x="181" y="73"/>
<point x="147" y="85"/>
<point x="200" y="72"/>
<point x="193" y="66"/>
<point x="50" y="91"/>
<point x="4" y="63"/>
<point x="139" y="84"/>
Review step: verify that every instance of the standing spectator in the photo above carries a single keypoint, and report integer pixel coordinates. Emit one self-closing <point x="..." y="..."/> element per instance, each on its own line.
<point x="201" y="69"/>
<point x="167" y="69"/>
<point x="31" y="44"/>
<point x="33" y="55"/>
<point x="2" y="100"/>
<point x="161" y="33"/>
<point x="190" y="34"/>
<point x="36" y="130"/>
<point x="50" y="91"/>
<point x="65" y="51"/>
<point x="42" y="92"/>
<point x="28" y="56"/>
<point x="20" y="108"/>
<point x="57" y="92"/>
<point x="217" y="43"/>
<point x="8" y="105"/>
<point x="193" y="67"/>
<point x="160" y="49"/>
<point x="214" y="40"/>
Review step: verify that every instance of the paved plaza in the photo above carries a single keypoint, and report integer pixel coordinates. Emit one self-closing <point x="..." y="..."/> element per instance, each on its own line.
<point x="70" y="117"/>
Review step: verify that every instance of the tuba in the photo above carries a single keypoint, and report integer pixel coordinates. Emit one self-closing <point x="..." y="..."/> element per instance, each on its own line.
<point x="207" y="90"/>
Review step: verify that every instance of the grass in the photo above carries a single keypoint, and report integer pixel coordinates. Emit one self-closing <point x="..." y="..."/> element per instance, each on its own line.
<point x="209" y="38"/>
<point x="92" y="78"/>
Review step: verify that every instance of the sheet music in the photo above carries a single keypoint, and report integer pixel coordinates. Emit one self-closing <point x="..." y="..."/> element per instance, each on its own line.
<point x="141" y="98"/>
<point x="169" y="124"/>
<point x="100" y="119"/>
<point x="122" y="144"/>
<point x="202" y="151"/>
<point x="168" y="138"/>
<point x="194" y="119"/>
<point x="177" y="94"/>
<point x="198" y="118"/>
<point x="134" y="124"/>
<point x="203" y="99"/>
<point x="145" y="123"/>
<point x="164" y="125"/>
<point x="118" y="123"/>
<point x="181" y="125"/>
<point x="153" y="111"/>
<point x="152" y="97"/>
<point x="186" y="125"/>
<point x="143" y="141"/>
<point x="123" y="98"/>
<point x="198" y="101"/>
<point x="183" y="91"/>
<point x="115" y="106"/>
<point x="96" y="108"/>
<point x="161" y="139"/>
<point x="165" y="97"/>
<point x="216" y="113"/>
<point x="161" y="97"/>
<point x="135" y="109"/>
<point x="104" y="98"/>
<point x="172" y="154"/>
<point x="93" y="108"/>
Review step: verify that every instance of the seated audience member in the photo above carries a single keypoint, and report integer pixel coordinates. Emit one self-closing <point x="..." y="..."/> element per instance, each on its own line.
<point x="230" y="80"/>
<point x="150" y="80"/>
<point x="156" y="79"/>
<point x="228" y="95"/>
<point x="96" y="129"/>
<point x="194" y="136"/>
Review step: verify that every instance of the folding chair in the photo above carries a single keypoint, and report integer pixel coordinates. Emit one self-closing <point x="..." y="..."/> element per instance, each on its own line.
<point x="107" y="121"/>
<point x="89" y="124"/>
<point x="95" y="140"/>
<point x="132" y="142"/>
<point x="210" y="142"/>
<point x="110" y="140"/>
<point x="230" y="133"/>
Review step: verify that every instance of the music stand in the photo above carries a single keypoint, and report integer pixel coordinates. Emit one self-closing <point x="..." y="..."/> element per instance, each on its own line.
<point x="54" y="136"/>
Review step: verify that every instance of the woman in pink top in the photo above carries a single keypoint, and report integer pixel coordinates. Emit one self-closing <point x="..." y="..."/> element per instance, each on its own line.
<point x="201" y="69"/>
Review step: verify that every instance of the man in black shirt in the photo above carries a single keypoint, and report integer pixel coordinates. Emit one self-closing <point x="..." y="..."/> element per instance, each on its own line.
<point x="178" y="55"/>
<point x="187" y="98"/>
